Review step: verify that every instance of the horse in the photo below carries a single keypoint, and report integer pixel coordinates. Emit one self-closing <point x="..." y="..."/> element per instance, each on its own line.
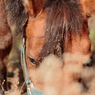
<point x="49" y="27"/>
<point x="6" y="36"/>
<point x="5" y="44"/>
<point x="59" y="27"/>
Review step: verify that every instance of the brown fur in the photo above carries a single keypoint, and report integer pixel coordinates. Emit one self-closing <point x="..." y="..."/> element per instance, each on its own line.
<point x="88" y="7"/>
<point x="60" y="33"/>
<point x="12" y="19"/>
<point x="53" y="27"/>
<point x="16" y="15"/>
<point x="5" y="43"/>
<point x="58" y="28"/>
<point x="33" y="7"/>
<point x="61" y="24"/>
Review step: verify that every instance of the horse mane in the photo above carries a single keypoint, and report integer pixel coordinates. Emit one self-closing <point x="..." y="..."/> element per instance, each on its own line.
<point x="64" y="19"/>
<point x="16" y="15"/>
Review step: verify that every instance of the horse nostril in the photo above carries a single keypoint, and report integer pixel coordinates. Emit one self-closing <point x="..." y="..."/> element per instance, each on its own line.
<point x="80" y="80"/>
<point x="89" y="64"/>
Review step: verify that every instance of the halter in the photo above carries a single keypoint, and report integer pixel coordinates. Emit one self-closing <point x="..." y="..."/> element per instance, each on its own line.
<point x="30" y="87"/>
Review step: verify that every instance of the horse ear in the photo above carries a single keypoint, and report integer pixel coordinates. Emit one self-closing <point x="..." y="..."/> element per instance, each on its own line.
<point x="88" y="7"/>
<point x="33" y="7"/>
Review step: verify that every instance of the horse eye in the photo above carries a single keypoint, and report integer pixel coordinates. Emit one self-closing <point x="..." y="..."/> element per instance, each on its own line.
<point x="33" y="61"/>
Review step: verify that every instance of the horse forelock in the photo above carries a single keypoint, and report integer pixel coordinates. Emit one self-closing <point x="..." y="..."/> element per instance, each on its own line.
<point x="64" y="18"/>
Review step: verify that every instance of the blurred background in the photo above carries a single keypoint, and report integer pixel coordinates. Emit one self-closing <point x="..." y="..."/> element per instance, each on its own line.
<point x="15" y="75"/>
<point x="91" y="23"/>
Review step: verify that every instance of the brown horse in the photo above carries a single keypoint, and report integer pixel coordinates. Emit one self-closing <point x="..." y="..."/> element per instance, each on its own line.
<point x="5" y="43"/>
<point x="57" y="27"/>
<point x="11" y="20"/>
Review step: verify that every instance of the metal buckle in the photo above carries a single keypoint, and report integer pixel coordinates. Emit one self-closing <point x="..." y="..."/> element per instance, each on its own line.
<point x="29" y="88"/>
<point x="23" y="41"/>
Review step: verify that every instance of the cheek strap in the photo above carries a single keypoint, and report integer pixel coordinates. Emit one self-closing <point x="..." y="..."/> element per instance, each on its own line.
<point x="30" y="87"/>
